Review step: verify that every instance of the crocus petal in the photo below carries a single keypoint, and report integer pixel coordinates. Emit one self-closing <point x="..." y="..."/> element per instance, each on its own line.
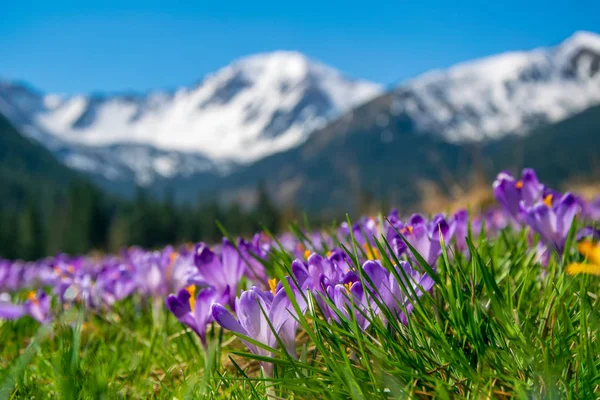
<point x="203" y="302"/>
<point x="233" y="267"/>
<point x="532" y="189"/>
<point x="11" y="311"/>
<point x="177" y="307"/>
<point x="566" y="210"/>
<point x="588" y="232"/>
<point x="226" y="320"/>
<point x="250" y="314"/>
<point x="300" y="272"/>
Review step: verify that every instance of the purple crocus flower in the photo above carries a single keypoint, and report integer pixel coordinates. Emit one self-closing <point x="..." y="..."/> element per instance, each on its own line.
<point x="340" y="260"/>
<point x="257" y="248"/>
<point x="11" y="311"/>
<point x="392" y="224"/>
<point x="115" y="283"/>
<point x="317" y="275"/>
<point x="390" y="292"/>
<point x="425" y="237"/>
<point x="510" y="192"/>
<point x="350" y="298"/>
<point x="223" y="271"/>
<point x="588" y="232"/>
<point x="37" y="306"/>
<point x="178" y="268"/>
<point x="552" y="220"/>
<point x="495" y="221"/>
<point x="253" y="308"/>
<point x="461" y="231"/>
<point x="591" y="209"/>
<point x="194" y="310"/>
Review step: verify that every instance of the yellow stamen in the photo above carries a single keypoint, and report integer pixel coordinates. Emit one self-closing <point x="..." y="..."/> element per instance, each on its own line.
<point x="519" y="184"/>
<point x="57" y="271"/>
<point x="70" y="269"/>
<point x="590" y="250"/>
<point x="329" y="254"/>
<point x="33" y="298"/>
<point x="348" y="286"/>
<point x="372" y="252"/>
<point x="192" y="291"/>
<point x="273" y="285"/>
<point x="578" y="268"/>
<point x="406" y="229"/>
<point x="548" y="200"/>
<point x="306" y="254"/>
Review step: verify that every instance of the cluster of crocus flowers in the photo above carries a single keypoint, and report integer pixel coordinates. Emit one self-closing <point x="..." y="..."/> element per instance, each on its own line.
<point x="548" y="213"/>
<point x="37" y="306"/>
<point x="343" y="272"/>
<point x="513" y="194"/>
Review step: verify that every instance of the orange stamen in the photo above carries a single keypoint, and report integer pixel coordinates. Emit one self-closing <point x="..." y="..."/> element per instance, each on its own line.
<point x="33" y="298"/>
<point x="548" y="200"/>
<point x="192" y="291"/>
<point x="372" y="253"/>
<point x="273" y="285"/>
<point x="348" y="286"/>
<point x="519" y="184"/>
<point x="306" y="254"/>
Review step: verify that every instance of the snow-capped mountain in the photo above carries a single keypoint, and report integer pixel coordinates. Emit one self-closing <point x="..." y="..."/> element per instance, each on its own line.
<point x="267" y="103"/>
<point x="507" y="93"/>
<point x="539" y="108"/>
<point x="251" y="108"/>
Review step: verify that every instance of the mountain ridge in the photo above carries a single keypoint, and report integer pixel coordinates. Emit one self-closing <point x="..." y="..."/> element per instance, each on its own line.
<point x="255" y="106"/>
<point x="469" y="104"/>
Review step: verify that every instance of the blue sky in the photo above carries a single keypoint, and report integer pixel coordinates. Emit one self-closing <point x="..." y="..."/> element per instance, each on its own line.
<point x="83" y="46"/>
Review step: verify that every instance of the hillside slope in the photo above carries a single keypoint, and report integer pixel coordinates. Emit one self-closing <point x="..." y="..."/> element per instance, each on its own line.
<point x="27" y="169"/>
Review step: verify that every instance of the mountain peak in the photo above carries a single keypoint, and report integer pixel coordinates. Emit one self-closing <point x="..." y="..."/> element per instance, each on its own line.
<point x="507" y="93"/>
<point x="256" y="105"/>
<point x="582" y="39"/>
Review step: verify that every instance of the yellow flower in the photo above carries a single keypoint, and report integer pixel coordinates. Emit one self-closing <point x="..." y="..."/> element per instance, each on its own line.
<point x="590" y="251"/>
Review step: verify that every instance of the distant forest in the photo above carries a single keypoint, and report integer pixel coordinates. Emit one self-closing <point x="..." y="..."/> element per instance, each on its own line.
<point x="83" y="219"/>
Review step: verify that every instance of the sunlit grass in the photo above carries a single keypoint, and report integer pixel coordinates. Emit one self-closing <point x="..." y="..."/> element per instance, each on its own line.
<point x="496" y="325"/>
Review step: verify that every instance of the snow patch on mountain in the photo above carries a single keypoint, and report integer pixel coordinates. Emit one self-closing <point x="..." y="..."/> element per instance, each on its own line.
<point x="507" y="93"/>
<point x="256" y="106"/>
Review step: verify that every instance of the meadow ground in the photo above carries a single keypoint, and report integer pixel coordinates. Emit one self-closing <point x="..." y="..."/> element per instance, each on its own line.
<point x="496" y="322"/>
